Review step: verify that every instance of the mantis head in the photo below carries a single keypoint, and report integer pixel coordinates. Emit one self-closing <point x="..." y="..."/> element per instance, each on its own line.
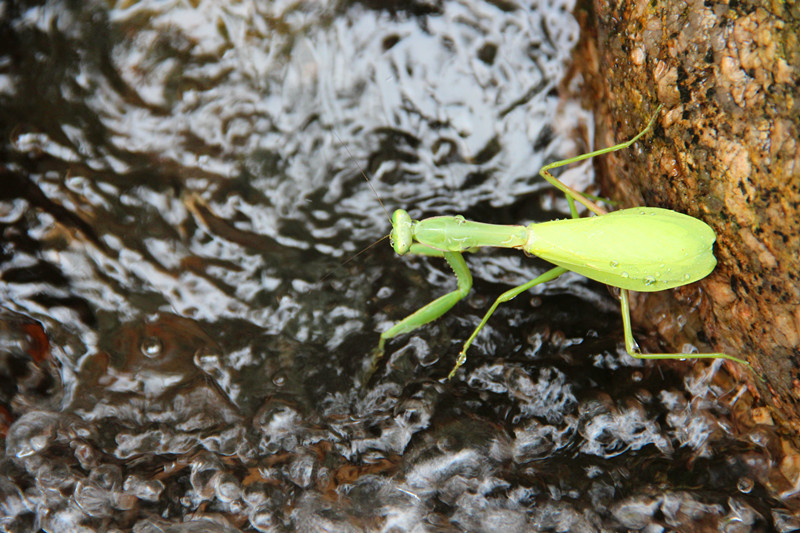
<point x="401" y="231"/>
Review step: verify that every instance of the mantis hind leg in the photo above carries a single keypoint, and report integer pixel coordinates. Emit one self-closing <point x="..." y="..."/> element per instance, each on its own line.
<point x="572" y="194"/>
<point x="633" y="349"/>
<point x="434" y="309"/>
<point x="506" y="296"/>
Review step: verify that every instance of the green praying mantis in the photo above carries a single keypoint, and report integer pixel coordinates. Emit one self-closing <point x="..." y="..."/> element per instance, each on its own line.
<point x="642" y="249"/>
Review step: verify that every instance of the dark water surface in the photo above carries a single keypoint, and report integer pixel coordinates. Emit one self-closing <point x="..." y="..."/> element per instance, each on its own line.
<point x="182" y="349"/>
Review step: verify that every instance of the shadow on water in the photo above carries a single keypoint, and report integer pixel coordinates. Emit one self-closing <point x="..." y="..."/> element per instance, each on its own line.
<point x="181" y="345"/>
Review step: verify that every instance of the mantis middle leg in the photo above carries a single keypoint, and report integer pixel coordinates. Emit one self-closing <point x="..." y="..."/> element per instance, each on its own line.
<point x="506" y="296"/>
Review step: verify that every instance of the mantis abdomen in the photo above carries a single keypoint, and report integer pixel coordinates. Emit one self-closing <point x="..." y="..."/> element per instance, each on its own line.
<point x="643" y="249"/>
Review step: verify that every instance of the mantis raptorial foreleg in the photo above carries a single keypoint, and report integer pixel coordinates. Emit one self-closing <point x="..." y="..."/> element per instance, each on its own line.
<point x="436" y="308"/>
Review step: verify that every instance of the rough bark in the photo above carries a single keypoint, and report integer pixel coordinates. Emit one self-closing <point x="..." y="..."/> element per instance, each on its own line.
<point x="725" y="149"/>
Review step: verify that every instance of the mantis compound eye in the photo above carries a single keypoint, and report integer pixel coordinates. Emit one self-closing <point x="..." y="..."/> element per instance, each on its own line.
<point x="401" y="231"/>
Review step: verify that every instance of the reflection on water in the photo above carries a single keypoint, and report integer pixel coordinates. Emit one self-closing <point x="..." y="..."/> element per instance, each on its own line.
<point x="182" y="349"/>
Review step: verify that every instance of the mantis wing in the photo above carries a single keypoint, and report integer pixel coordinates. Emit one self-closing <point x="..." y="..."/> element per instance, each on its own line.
<point x="642" y="249"/>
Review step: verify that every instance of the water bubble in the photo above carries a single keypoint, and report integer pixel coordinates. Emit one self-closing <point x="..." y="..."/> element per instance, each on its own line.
<point x="65" y="519"/>
<point x="625" y="275"/>
<point x="53" y="475"/>
<point x="151" y="347"/>
<point x="384" y="292"/>
<point x="421" y="352"/>
<point x="123" y="501"/>
<point x="649" y="280"/>
<point x="92" y="500"/>
<point x="207" y="360"/>
<point x="635" y="346"/>
<point x="263" y="519"/>
<point x="145" y="489"/>
<point x="460" y="219"/>
<point x="614" y="264"/>
<point x="108" y="477"/>
<point x="301" y="471"/>
<point x="31" y="433"/>
<point x="227" y="487"/>
<point x="745" y="484"/>
<point x="203" y="474"/>
<point x="11" y="211"/>
<point x="257" y="493"/>
<point x="636" y="513"/>
<point x="86" y="455"/>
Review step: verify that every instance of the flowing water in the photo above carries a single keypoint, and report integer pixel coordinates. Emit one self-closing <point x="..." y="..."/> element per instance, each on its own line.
<point x="183" y="348"/>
